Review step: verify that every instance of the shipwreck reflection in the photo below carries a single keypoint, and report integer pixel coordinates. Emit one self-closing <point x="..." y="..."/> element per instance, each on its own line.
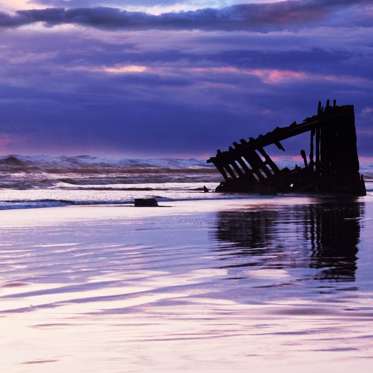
<point x="322" y="236"/>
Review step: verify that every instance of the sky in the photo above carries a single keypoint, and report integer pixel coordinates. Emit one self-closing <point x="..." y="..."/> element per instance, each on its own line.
<point x="174" y="78"/>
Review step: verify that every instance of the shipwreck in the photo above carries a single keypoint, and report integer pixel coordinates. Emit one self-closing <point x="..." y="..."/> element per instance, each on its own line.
<point x="331" y="166"/>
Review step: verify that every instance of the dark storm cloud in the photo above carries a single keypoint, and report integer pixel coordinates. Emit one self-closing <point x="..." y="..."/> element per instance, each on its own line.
<point x="260" y="17"/>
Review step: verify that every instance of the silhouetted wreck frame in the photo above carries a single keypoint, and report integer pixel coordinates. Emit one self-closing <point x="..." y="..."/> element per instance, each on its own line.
<point x="331" y="167"/>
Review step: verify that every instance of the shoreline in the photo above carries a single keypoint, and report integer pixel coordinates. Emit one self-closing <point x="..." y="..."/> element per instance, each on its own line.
<point x="96" y="212"/>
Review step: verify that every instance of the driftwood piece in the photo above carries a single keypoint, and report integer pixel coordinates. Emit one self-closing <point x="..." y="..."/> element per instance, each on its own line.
<point x="146" y="202"/>
<point x="332" y="165"/>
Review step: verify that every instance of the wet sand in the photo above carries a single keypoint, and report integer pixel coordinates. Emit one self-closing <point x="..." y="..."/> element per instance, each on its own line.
<point x="272" y="284"/>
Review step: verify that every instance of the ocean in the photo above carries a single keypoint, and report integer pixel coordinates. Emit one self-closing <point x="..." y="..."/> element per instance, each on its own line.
<point x="46" y="181"/>
<point x="30" y="182"/>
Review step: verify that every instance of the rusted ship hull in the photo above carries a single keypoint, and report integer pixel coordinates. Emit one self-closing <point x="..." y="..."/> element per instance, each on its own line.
<point x="331" y="165"/>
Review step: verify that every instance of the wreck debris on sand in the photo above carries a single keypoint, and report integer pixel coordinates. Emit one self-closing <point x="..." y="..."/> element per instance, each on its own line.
<point x="331" y="166"/>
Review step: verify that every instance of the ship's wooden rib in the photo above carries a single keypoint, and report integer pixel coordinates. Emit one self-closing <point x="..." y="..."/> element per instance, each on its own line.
<point x="332" y="166"/>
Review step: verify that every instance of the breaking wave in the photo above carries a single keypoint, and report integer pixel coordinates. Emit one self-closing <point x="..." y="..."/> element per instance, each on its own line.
<point x="44" y="181"/>
<point x="94" y="164"/>
<point x="26" y="172"/>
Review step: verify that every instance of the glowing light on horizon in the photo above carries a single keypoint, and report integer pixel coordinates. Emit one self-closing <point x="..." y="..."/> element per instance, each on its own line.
<point x="277" y="76"/>
<point x="124" y="69"/>
<point x="5" y="140"/>
<point x="269" y="76"/>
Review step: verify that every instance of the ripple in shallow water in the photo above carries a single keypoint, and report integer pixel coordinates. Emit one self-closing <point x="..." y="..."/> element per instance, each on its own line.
<point x="265" y="284"/>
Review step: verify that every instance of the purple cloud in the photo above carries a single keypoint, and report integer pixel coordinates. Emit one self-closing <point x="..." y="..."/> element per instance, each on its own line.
<point x="260" y="17"/>
<point x="95" y="3"/>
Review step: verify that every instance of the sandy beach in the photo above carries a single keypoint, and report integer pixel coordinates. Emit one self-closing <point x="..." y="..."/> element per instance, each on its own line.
<point x="267" y="283"/>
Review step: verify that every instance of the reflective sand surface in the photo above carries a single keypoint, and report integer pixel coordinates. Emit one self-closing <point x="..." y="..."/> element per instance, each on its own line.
<point x="273" y="284"/>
